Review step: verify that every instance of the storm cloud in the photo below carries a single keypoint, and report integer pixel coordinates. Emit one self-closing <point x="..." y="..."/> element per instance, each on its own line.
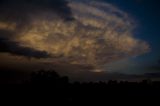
<point x="16" y="15"/>
<point x="20" y="10"/>
<point x="82" y="32"/>
<point x="9" y="46"/>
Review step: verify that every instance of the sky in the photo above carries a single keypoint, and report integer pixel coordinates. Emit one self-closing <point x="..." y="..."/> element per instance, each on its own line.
<point x="146" y="13"/>
<point x="84" y="39"/>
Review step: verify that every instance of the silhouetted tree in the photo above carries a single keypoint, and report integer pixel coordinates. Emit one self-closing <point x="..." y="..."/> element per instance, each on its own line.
<point x="48" y="78"/>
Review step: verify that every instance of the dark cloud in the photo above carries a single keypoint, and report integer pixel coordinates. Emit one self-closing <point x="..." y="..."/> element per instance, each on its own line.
<point x="9" y="46"/>
<point x="14" y="48"/>
<point x="19" y="12"/>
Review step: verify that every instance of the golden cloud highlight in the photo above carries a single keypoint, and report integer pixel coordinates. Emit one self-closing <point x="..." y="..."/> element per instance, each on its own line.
<point x="100" y="33"/>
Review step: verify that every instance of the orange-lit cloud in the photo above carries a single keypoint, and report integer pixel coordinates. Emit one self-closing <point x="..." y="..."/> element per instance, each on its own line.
<point x="100" y="33"/>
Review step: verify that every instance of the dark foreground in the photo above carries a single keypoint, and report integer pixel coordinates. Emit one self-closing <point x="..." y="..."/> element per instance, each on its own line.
<point x="49" y="87"/>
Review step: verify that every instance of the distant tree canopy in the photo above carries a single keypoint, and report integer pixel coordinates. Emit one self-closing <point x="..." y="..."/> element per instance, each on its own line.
<point x="48" y="78"/>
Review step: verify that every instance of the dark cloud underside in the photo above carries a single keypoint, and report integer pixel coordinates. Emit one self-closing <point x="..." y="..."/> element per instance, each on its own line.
<point x="21" y="9"/>
<point x="19" y="12"/>
<point x="6" y="45"/>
